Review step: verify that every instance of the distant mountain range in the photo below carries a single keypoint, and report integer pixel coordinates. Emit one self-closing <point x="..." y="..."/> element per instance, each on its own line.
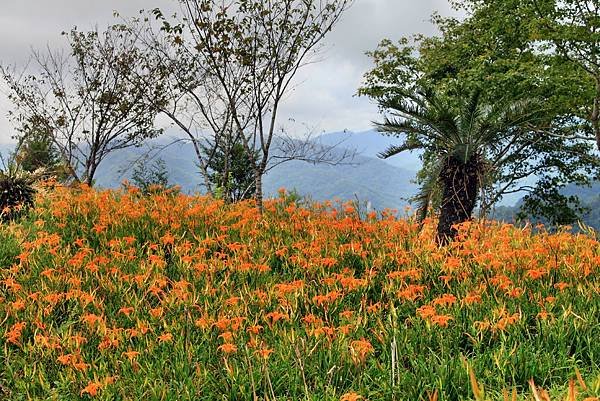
<point x="368" y="179"/>
<point x="365" y="178"/>
<point x="588" y="196"/>
<point x="370" y="144"/>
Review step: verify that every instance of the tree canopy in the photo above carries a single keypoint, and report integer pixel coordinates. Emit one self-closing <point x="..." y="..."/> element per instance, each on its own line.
<point x="88" y="101"/>
<point x="249" y="52"/>
<point x="493" y="52"/>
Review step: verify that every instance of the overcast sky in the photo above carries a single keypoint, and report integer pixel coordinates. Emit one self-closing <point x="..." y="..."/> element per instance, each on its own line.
<point x="323" y="98"/>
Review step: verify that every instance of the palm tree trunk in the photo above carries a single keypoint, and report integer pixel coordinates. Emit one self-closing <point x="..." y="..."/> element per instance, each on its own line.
<point x="461" y="182"/>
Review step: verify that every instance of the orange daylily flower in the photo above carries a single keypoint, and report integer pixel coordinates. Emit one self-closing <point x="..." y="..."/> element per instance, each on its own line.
<point x="131" y="355"/>
<point x="274" y="317"/>
<point x="65" y="359"/>
<point x="361" y="349"/>
<point x="91" y="389"/>
<point x="264" y="353"/>
<point x="126" y="310"/>
<point x="227" y="348"/>
<point x="156" y="312"/>
<point x="254" y="329"/>
<point x="165" y="338"/>
<point x="445" y="300"/>
<point x="351" y="397"/>
<point x="426" y="311"/>
<point x="90" y="319"/>
<point x="81" y="366"/>
<point x="226" y="336"/>
<point x="441" y="320"/>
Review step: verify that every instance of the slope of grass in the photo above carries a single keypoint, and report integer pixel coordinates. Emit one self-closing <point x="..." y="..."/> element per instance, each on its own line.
<point x="117" y="296"/>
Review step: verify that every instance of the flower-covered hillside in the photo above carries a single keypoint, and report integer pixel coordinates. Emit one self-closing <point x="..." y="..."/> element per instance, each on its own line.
<point x="118" y="296"/>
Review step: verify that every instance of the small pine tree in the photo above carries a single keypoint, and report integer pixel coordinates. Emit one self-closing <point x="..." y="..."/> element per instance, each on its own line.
<point x="36" y="152"/>
<point x="232" y="173"/>
<point x="149" y="178"/>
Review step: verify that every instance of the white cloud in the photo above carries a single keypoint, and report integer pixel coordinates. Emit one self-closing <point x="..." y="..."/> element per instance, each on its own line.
<point x="323" y="97"/>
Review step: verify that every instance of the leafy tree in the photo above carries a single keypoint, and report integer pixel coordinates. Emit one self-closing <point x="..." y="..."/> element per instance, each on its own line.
<point x="149" y="177"/>
<point x="469" y="142"/>
<point x="544" y="49"/>
<point x="88" y="101"/>
<point x="250" y="51"/>
<point x="573" y="28"/>
<point x="546" y="39"/>
<point x="36" y="151"/>
<point x="589" y="207"/>
<point x="490" y="69"/>
<point x="232" y="173"/>
<point x="570" y="206"/>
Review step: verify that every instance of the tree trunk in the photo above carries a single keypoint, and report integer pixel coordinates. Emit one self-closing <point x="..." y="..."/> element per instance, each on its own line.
<point x="89" y="177"/>
<point x="259" y="172"/>
<point x="461" y="182"/>
<point x="225" y="176"/>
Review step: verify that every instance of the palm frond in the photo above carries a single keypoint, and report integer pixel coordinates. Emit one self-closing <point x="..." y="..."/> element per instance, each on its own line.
<point x="502" y="118"/>
<point x="423" y="200"/>
<point x="394" y="126"/>
<point x="470" y="117"/>
<point x="442" y="117"/>
<point x="393" y="150"/>
<point x="427" y="193"/>
<point x="463" y="126"/>
<point x="406" y="109"/>
<point x="434" y="118"/>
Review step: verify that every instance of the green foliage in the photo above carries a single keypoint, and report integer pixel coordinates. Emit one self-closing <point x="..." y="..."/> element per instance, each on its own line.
<point x="553" y="44"/>
<point x="232" y="172"/>
<point x="16" y="193"/>
<point x="571" y="28"/>
<point x="491" y="52"/>
<point x="37" y="152"/>
<point x="585" y="200"/>
<point x="219" y="271"/>
<point x="9" y="250"/>
<point x="544" y="205"/>
<point x="150" y="177"/>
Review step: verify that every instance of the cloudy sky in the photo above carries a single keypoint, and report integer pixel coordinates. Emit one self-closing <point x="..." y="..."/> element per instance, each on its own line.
<point x="323" y="98"/>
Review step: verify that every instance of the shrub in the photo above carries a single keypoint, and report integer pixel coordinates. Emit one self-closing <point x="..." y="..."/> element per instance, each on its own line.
<point x="150" y="178"/>
<point x="16" y="188"/>
<point x="16" y="194"/>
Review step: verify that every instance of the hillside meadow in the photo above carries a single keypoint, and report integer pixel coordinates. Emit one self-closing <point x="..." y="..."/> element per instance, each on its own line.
<point x="113" y="295"/>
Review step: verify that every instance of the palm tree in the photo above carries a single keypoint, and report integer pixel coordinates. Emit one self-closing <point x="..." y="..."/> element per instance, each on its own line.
<point x="466" y="142"/>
